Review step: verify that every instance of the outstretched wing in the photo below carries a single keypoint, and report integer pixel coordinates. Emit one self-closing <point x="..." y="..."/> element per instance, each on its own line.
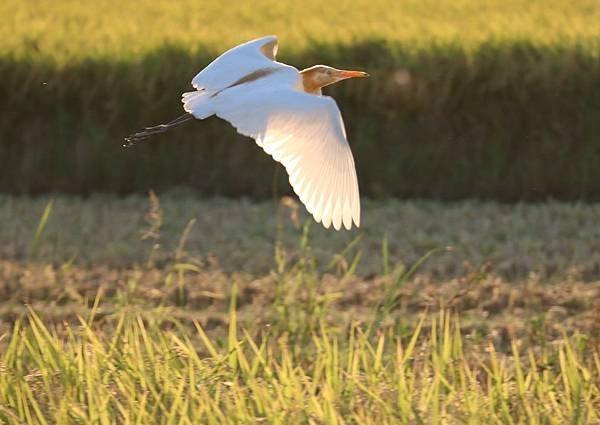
<point x="306" y="134"/>
<point x="237" y="63"/>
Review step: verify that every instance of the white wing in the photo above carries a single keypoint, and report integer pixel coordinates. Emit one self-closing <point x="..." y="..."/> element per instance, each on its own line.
<point x="248" y="62"/>
<point x="238" y="62"/>
<point x="306" y="134"/>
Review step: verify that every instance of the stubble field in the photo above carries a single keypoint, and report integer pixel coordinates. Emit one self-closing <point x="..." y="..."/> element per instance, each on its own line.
<point x="238" y="312"/>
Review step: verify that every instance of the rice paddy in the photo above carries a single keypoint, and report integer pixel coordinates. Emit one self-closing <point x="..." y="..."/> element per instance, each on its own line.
<point x="178" y="283"/>
<point x="342" y="329"/>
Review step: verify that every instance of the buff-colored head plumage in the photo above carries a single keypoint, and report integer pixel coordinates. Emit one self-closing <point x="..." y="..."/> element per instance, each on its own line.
<point x="318" y="76"/>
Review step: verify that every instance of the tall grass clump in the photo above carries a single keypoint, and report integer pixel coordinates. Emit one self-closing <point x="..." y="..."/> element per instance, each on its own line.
<point x="149" y="371"/>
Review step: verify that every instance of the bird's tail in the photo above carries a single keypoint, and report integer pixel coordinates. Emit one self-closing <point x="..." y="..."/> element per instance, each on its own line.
<point x="148" y="132"/>
<point x="198" y="103"/>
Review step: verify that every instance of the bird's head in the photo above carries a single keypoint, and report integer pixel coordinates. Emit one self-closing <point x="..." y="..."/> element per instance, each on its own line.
<point x="319" y="76"/>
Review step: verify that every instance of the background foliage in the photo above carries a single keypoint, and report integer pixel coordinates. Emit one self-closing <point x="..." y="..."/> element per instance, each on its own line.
<point x="495" y="99"/>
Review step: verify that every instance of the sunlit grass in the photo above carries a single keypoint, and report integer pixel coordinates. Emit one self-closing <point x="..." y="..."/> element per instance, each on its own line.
<point x="68" y="30"/>
<point x="149" y="371"/>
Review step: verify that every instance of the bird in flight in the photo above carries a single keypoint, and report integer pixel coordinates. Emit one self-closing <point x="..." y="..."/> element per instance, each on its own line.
<point x="283" y="110"/>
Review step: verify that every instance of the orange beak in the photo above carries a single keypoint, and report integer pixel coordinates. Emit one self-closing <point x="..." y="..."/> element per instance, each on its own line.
<point x="353" y="74"/>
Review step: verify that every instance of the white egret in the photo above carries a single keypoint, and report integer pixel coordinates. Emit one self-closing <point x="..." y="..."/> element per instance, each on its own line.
<point x="283" y="110"/>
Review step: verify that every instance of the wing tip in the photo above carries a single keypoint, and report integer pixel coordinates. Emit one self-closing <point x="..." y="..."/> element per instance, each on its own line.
<point x="338" y="226"/>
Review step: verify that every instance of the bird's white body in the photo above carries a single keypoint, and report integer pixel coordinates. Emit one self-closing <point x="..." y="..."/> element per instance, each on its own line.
<point x="266" y="100"/>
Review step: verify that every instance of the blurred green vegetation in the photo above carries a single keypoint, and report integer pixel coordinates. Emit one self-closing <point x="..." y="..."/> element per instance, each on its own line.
<point x="467" y="99"/>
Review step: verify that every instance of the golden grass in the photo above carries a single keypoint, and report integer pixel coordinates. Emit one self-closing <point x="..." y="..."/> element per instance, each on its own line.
<point x="70" y="30"/>
<point x="153" y="370"/>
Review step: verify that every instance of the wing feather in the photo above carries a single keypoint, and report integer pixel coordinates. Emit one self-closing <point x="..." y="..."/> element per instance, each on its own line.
<point x="237" y="63"/>
<point x="306" y="134"/>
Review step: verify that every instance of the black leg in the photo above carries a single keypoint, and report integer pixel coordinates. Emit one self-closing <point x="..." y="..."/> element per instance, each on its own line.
<point x="148" y="132"/>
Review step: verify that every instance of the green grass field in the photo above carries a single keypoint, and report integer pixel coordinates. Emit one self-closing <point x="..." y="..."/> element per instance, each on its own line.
<point x="496" y="100"/>
<point x="181" y="310"/>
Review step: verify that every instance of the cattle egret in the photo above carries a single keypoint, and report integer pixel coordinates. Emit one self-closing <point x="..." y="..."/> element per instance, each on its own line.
<point x="283" y="110"/>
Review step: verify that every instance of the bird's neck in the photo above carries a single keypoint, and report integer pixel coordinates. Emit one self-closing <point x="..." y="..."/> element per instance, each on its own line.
<point x="309" y="83"/>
